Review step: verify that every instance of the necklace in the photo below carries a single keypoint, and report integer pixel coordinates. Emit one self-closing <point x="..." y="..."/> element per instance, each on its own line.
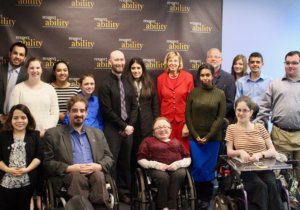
<point x="173" y="76"/>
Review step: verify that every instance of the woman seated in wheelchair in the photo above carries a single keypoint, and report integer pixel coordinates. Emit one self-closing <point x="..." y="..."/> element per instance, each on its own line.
<point x="166" y="160"/>
<point x="251" y="142"/>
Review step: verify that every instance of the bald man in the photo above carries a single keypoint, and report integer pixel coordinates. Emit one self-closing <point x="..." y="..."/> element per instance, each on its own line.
<point x="118" y="128"/>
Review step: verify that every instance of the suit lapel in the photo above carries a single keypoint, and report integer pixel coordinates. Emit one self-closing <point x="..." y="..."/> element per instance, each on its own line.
<point x="66" y="137"/>
<point x="92" y="140"/>
<point x="4" y="77"/>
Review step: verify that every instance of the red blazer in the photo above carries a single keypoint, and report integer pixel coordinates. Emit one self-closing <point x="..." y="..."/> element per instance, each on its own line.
<point x="172" y="95"/>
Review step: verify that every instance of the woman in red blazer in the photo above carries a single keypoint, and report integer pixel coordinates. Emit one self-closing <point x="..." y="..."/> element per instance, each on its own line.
<point x="173" y="87"/>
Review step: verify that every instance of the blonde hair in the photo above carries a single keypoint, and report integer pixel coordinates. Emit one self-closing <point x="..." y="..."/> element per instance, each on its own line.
<point x="170" y="55"/>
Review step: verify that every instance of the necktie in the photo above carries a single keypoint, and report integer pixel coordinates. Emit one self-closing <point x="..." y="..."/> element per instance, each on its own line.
<point x="122" y="99"/>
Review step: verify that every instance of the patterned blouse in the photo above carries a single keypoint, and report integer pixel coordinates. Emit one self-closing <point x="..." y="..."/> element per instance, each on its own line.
<point x="17" y="159"/>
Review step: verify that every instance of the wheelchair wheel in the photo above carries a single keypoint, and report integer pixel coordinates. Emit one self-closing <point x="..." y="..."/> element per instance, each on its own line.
<point x="112" y="188"/>
<point x="141" y="196"/>
<point x="48" y="196"/>
<point x="187" y="195"/>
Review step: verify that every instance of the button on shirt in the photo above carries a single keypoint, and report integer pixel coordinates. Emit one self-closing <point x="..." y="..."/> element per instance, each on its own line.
<point x="81" y="148"/>
<point x="255" y="89"/>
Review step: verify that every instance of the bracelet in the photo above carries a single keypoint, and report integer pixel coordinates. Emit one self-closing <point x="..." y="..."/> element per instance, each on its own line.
<point x="263" y="155"/>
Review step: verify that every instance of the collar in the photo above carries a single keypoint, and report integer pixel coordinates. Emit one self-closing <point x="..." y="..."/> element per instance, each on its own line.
<point x="286" y="78"/>
<point x="10" y="68"/>
<point x="261" y="77"/>
<point x="72" y="130"/>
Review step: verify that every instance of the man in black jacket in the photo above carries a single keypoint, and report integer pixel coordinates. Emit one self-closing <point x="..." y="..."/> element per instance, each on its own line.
<point x="119" y="114"/>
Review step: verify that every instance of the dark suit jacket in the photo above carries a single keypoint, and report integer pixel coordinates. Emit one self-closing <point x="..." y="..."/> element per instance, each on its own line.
<point x="148" y="111"/>
<point x="109" y="96"/>
<point x="33" y="147"/>
<point x="3" y="82"/>
<point x="58" y="150"/>
<point x="225" y="82"/>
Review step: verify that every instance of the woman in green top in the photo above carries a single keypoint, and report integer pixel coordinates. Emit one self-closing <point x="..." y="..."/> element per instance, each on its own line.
<point x="205" y="112"/>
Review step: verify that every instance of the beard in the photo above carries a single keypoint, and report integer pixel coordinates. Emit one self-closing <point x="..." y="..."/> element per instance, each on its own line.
<point x="78" y="121"/>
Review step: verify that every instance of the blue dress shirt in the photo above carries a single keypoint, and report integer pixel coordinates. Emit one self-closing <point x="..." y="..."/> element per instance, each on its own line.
<point x="245" y="86"/>
<point x="81" y="148"/>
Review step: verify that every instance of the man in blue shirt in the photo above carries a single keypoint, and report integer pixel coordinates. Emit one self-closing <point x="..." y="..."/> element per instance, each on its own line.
<point x="255" y="84"/>
<point x="77" y="156"/>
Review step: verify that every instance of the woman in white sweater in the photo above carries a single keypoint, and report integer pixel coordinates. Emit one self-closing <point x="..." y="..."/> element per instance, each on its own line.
<point x="41" y="99"/>
<point x="38" y="96"/>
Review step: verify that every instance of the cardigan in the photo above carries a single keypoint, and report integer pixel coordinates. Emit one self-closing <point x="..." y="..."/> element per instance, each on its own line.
<point x="34" y="149"/>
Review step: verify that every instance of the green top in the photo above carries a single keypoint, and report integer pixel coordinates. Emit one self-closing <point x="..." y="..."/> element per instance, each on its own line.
<point x="205" y="112"/>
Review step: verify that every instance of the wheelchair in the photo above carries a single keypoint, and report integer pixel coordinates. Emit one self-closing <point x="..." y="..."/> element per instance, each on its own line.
<point x="144" y="192"/>
<point x="54" y="201"/>
<point x="231" y="194"/>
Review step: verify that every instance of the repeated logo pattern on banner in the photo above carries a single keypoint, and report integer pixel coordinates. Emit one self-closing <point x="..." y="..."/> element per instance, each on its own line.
<point x="84" y="32"/>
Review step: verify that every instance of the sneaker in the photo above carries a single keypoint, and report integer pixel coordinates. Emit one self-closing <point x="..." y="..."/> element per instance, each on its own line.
<point x="111" y="202"/>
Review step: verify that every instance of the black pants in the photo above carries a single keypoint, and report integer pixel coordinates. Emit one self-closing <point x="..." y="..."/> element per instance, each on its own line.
<point x="120" y="147"/>
<point x="15" y="199"/>
<point x="262" y="190"/>
<point x="168" y="184"/>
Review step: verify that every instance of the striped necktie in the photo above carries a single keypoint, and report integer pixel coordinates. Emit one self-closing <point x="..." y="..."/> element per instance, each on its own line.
<point x="122" y="99"/>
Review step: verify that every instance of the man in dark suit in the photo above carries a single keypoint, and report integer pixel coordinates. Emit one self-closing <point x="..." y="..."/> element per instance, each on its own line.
<point x="120" y="110"/>
<point x="77" y="156"/>
<point x="11" y="73"/>
<point x="222" y="80"/>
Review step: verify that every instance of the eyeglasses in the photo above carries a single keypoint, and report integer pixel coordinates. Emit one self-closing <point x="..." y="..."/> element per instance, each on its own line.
<point x="242" y="110"/>
<point x="161" y="127"/>
<point x="294" y="63"/>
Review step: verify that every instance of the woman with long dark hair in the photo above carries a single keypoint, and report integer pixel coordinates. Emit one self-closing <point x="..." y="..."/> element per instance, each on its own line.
<point x="147" y="102"/>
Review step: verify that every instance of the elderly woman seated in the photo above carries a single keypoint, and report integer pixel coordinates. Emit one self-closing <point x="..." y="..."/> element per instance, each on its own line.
<point x="251" y="142"/>
<point x="166" y="160"/>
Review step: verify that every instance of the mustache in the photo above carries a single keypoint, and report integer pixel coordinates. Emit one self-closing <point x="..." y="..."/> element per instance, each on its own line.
<point x="78" y="117"/>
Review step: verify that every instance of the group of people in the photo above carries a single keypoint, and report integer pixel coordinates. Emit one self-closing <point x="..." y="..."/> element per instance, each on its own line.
<point x="175" y="124"/>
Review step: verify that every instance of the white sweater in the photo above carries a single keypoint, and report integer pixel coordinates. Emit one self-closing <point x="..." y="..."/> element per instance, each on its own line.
<point x="41" y="102"/>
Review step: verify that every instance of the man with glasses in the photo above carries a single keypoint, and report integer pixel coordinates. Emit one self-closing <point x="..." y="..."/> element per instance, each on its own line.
<point x="11" y="73"/>
<point x="223" y="80"/>
<point x="255" y="84"/>
<point x="282" y="102"/>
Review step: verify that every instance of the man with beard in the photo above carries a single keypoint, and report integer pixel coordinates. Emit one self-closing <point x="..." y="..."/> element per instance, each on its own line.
<point x="11" y="73"/>
<point x="120" y="110"/>
<point x="78" y="156"/>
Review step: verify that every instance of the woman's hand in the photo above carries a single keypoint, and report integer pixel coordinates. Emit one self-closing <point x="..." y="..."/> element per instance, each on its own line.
<point x="245" y="157"/>
<point x="255" y="157"/>
<point x="201" y="140"/>
<point x="163" y="167"/>
<point x="17" y="171"/>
